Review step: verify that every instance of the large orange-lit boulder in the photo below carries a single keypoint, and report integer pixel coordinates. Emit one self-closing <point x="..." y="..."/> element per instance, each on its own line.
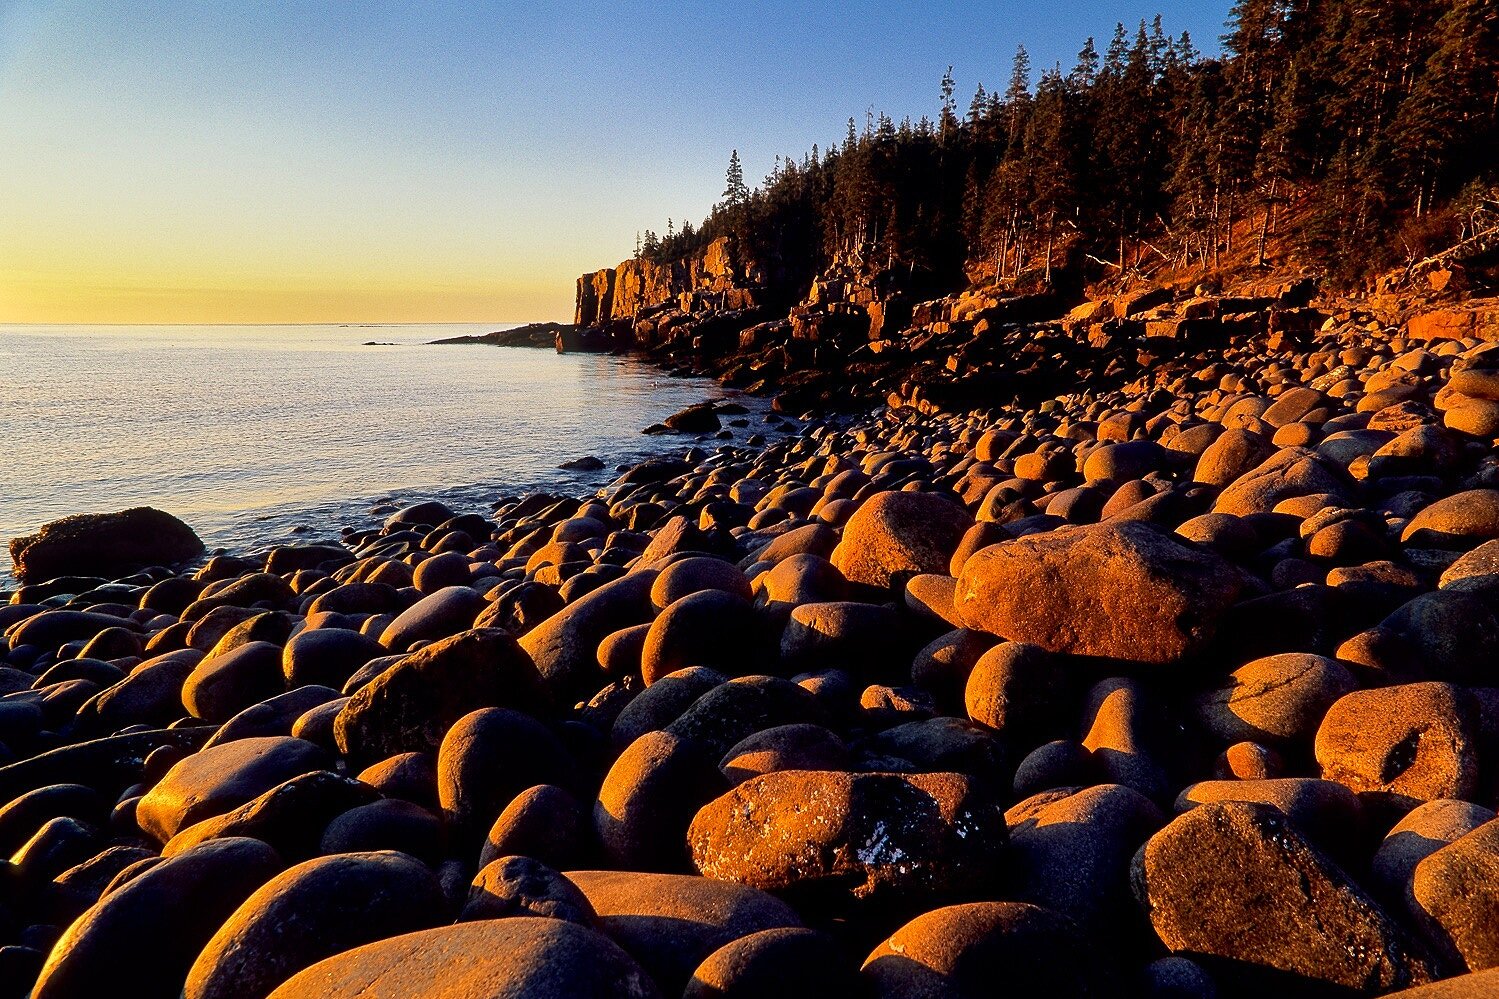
<point x="1126" y="590"/>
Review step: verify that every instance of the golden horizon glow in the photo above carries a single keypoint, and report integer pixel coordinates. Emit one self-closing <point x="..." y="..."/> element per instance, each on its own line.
<point x="78" y="300"/>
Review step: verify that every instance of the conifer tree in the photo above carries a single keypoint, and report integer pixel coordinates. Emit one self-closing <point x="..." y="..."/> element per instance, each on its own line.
<point x="735" y="193"/>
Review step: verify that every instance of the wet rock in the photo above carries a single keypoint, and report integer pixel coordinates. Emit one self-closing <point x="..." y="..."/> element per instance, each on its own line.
<point x="879" y="838"/>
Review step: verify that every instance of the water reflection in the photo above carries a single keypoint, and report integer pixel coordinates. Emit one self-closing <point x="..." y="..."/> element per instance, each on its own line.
<point x="248" y="432"/>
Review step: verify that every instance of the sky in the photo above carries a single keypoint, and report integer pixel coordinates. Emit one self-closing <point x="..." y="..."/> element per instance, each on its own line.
<point x="244" y="161"/>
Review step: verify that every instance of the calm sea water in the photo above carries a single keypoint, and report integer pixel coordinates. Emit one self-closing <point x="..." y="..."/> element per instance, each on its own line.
<point x="260" y="434"/>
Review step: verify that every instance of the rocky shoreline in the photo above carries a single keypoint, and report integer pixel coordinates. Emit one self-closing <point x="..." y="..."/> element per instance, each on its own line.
<point x="1147" y="651"/>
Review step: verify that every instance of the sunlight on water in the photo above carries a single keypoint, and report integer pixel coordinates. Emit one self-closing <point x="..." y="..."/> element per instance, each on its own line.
<point x="248" y="433"/>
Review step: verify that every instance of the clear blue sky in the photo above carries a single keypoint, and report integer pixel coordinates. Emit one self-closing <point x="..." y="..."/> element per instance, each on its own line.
<point x="343" y="160"/>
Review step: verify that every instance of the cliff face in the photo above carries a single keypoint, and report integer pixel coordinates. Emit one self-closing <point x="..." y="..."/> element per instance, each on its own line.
<point x="717" y="279"/>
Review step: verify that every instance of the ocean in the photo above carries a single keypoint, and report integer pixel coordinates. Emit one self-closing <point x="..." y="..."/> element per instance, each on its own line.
<point x="256" y="435"/>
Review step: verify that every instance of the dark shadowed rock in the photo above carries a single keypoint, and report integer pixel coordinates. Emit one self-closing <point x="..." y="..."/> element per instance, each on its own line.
<point x="410" y="706"/>
<point x="786" y="963"/>
<point x="487" y="758"/>
<point x="1455" y="892"/>
<point x="447" y="612"/>
<point x="670" y="923"/>
<point x="1072" y="855"/>
<point x="524" y="957"/>
<point x="545" y="822"/>
<point x="223" y="685"/>
<point x="312" y="911"/>
<point x="522" y="886"/>
<point x="290" y="816"/>
<point x="104" y="544"/>
<point x="214" y="781"/>
<point x="565" y="645"/>
<point x="144" y="935"/>
<point x="710" y="628"/>
<point x="1424" y="830"/>
<point x="1237" y="882"/>
<point x="327" y="656"/>
<point x="649" y="797"/>
<point x="974" y="950"/>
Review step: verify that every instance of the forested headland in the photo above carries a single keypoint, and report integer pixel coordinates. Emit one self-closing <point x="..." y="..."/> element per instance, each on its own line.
<point x="1360" y="134"/>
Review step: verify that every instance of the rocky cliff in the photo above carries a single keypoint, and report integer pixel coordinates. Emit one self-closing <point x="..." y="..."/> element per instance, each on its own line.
<point x="856" y="334"/>
<point x="718" y="278"/>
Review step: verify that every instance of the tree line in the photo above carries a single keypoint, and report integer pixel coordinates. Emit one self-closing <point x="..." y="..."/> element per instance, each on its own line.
<point x="1371" y="127"/>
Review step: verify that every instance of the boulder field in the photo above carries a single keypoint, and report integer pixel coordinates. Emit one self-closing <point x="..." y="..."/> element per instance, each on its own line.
<point x="1183" y="687"/>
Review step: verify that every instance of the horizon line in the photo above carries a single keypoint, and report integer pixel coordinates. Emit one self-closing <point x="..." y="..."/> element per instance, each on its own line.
<point x="362" y="325"/>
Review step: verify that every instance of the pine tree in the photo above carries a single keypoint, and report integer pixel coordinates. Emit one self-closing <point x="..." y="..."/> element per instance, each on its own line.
<point x="978" y="106"/>
<point x="1018" y="95"/>
<point x="1085" y="73"/>
<point x="949" y="119"/>
<point x="1452" y="112"/>
<point x="735" y="193"/>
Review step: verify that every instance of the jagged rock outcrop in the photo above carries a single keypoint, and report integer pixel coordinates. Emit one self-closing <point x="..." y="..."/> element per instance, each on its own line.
<point x="718" y="278"/>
